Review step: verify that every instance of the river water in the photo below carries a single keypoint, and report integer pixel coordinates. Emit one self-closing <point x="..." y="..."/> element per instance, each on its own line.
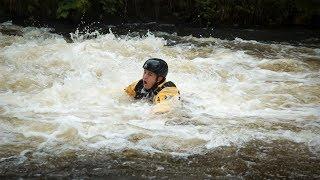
<point x="248" y="109"/>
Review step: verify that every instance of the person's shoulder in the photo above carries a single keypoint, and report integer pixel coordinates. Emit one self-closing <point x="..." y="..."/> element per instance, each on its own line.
<point x="132" y="88"/>
<point x="166" y="84"/>
<point x="169" y="84"/>
<point x="169" y="88"/>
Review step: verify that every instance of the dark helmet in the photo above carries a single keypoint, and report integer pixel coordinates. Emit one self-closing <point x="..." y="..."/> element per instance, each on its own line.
<point x="158" y="66"/>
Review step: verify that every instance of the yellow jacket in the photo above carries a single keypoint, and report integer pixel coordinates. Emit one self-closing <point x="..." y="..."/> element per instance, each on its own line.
<point x="159" y="94"/>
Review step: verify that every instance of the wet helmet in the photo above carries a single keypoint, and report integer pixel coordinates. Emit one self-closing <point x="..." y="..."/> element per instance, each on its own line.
<point x="157" y="66"/>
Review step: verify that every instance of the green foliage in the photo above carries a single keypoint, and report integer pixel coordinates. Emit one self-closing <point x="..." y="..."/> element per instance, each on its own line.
<point x="310" y="5"/>
<point x="265" y="12"/>
<point x="67" y="6"/>
<point x="111" y="6"/>
<point x="207" y="9"/>
<point x="200" y="12"/>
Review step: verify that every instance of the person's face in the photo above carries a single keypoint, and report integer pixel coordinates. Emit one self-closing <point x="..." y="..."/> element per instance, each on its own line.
<point x="150" y="79"/>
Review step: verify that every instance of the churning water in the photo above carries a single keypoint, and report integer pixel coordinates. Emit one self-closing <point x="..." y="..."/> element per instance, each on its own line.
<point x="248" y="108"/>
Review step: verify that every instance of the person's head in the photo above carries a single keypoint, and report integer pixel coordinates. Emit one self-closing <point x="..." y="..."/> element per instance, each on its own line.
<point x="155" y="71"/>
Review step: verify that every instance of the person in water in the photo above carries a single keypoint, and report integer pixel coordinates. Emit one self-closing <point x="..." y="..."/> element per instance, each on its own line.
<point x="153" y="85"/>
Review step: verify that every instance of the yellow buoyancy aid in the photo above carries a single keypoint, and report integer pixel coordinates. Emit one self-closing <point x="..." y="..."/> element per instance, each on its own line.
<point x="164" y="91"/>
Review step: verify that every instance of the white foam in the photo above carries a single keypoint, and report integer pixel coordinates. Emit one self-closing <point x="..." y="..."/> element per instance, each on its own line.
<point x="79" y="90"/>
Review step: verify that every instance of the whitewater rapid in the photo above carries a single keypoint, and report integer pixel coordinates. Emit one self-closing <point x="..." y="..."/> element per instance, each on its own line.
<point x="57" y="96"/>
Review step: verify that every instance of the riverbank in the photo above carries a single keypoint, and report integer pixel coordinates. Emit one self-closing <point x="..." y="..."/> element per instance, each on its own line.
<point x="297" y="35"/>
<point x="190" y="13"/>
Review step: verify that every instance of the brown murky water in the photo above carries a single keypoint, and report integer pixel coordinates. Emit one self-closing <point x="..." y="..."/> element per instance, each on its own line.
<point x="248" y="110"/>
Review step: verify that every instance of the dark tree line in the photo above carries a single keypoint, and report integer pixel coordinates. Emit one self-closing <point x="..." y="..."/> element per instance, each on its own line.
<point x="190" y="12"/>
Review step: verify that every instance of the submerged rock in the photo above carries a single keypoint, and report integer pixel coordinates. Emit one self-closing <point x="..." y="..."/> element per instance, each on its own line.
<point x="11" y="30"/>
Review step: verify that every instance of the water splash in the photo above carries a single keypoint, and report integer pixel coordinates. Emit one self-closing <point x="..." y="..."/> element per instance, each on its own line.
<point x="70" y="95"/>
